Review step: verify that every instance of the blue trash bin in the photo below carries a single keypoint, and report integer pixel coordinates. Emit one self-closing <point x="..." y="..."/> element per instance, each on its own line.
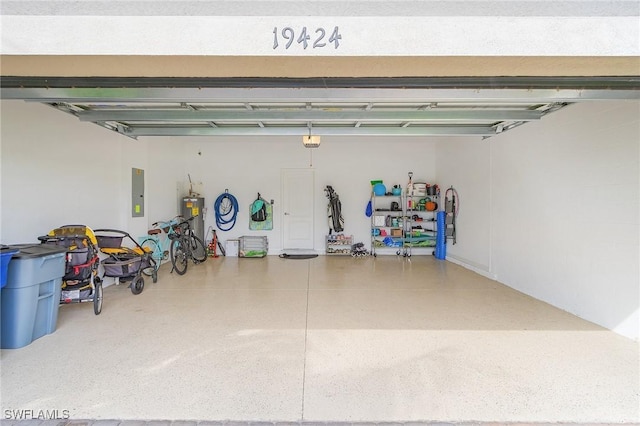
<point x="31" y="296"/>
<point x="6" y="253"/>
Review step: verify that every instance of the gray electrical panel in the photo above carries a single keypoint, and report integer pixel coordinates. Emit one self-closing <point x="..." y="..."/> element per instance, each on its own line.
<point x="137" y="192"/>
<point x="194" y="206"/>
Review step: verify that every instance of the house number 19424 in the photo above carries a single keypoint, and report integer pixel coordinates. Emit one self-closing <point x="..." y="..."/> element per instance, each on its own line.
<point x="305" y="38"/>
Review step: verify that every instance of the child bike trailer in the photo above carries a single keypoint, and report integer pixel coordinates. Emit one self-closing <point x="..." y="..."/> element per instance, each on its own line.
<point x="80" y="282"/>
<point x="125" y="262"/>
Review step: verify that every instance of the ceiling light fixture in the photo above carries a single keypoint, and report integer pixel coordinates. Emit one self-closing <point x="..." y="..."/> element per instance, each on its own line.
<point x="311" y="141"/>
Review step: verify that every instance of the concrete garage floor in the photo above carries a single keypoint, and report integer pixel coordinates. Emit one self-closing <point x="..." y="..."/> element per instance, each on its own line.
<point x="322" y="340"/>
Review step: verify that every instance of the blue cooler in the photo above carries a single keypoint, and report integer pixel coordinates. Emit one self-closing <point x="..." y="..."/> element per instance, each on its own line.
<point x="31" y="296"/>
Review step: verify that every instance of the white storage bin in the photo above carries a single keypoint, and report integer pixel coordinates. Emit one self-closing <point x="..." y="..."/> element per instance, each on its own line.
<point x="231" y="248"/>
<point x="253" y="246"/>
<point x="379" y="220"/>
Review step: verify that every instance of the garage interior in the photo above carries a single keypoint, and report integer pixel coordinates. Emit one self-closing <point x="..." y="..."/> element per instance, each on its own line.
<point x="533" y="316"/>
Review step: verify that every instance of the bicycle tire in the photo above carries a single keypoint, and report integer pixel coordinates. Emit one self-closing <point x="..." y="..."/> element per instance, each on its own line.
<point x="97" y="298"/>
<point x="198" y="250"/>
<point x="178" y="257"/>
<point x="150" y="245"/>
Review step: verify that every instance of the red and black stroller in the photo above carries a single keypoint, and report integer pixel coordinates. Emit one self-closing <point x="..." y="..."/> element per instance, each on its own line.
<point x="80" y="282"/>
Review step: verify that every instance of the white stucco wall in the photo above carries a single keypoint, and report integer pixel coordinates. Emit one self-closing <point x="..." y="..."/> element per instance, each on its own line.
<point x="44" y="163"/>
<point x="561" y="197"/>
<point x="394" y="28"/>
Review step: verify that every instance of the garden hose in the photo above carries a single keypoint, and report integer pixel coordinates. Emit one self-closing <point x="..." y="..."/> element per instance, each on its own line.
<point x="226" y="211"/>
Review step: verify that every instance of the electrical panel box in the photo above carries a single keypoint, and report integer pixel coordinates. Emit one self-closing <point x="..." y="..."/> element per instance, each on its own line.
<point x="137" y="192"/>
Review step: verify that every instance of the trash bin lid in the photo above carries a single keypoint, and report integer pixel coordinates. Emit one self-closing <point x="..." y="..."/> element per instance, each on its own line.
<point x="32" y="250"/>
<point x="6" y="250"/>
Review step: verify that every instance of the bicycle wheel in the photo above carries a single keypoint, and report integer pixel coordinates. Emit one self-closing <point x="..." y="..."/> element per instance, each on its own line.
<point x="178" y="257"/>
<point x="198" y="250"/>
<point x="97" y="297"/>
<point x="151" y="246"/>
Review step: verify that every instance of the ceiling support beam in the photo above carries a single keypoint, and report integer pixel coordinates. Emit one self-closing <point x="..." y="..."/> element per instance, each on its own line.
<point x="279" y="116"/>
<point x="317" y="131"/>
<point x="306" y="95"/>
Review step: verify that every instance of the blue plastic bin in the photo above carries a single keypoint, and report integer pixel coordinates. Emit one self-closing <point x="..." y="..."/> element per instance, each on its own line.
<point x="6" y="253"/>
<point x="31" y="296"/>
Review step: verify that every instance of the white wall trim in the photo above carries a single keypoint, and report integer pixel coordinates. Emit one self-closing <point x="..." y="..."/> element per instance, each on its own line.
<point x="472" y="266"/>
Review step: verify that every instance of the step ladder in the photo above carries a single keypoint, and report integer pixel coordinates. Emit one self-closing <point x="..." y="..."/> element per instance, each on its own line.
<point x="451" y="212"/>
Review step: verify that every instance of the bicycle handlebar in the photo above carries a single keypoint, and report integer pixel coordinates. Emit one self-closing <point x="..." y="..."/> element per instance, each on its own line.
<point x="173" y="223"/>
<point x="187" y="221"/>
<point x="168" y="223"/>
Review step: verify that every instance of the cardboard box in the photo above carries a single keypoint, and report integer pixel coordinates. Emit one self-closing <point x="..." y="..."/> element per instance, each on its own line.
<point x="396" y="232"/>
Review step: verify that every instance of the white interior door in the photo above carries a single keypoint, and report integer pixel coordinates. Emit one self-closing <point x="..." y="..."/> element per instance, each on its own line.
<point x="297" y="208"/>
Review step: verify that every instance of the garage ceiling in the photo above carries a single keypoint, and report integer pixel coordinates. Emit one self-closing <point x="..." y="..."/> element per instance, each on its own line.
<point x="450" y="106"/>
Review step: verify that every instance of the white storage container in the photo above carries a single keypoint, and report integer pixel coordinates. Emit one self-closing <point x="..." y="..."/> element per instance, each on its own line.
<point x="251" y="246"/>
<point x="419" y="189"/>
<point x="231" y="248"/>
<point x="379" y="220"/>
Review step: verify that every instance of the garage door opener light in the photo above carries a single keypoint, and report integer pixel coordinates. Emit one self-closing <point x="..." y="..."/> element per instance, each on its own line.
<point x="311" y="141"/>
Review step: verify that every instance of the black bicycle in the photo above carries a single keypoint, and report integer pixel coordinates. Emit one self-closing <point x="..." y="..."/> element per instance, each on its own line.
<point x="185" y="246"/>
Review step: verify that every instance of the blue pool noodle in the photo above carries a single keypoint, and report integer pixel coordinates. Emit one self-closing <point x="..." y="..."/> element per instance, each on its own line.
<point x="441" y="240"/>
